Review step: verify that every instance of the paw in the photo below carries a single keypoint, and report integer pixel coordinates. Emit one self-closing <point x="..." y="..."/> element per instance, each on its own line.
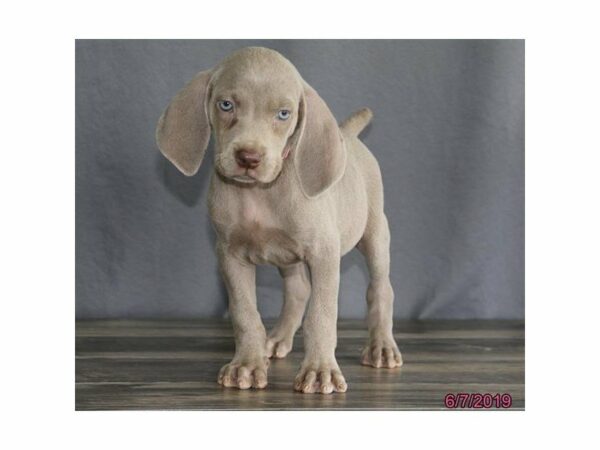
<point x="244" y="374"/>
<point x="279" y="344"/>
<point x="381" y="353"/>
<point x="320" y="378"/>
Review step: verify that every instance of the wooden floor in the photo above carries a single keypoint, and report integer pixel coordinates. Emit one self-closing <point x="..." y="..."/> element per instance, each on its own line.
<point x="173" y="365"/>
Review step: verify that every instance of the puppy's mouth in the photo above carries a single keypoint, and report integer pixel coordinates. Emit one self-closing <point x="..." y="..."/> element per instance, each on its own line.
<point x="263" y="175"/>
<point x="246" y="179"/>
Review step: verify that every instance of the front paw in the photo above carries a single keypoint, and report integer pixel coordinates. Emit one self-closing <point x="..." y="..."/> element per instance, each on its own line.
<point x="245" y="373"/>
<point x="323" y="378"/>
<point x="381" y="352"/>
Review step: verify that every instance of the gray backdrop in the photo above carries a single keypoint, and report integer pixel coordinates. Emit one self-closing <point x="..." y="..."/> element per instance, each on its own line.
<point x="448" y="133"/>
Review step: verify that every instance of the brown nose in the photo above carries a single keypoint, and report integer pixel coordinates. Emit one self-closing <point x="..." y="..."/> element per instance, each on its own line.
<point x="247" y="158"/>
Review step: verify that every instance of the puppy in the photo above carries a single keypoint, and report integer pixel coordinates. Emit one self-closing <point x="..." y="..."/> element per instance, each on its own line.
<point x="292" y="189"/>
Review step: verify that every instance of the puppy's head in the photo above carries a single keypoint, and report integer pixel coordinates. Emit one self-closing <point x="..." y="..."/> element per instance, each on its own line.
<point x="261" y="113"/>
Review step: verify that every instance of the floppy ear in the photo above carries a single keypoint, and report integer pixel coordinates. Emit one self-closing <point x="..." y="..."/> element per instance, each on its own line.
<point x="319" y="155"/>
<point x="183" y="130"/>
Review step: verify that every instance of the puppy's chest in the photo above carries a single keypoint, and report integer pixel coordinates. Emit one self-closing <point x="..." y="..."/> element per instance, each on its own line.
<point x="256" y="233"/>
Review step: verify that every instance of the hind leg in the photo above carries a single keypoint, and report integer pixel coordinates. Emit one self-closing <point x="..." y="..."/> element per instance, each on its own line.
<point x="381" y="349"/>
<point x="295" y="297"/>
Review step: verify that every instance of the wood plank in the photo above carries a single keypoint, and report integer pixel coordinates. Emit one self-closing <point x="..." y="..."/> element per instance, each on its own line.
<point x="173" y="365"/>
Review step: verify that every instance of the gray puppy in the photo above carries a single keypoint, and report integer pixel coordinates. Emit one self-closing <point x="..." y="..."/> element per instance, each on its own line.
<point x="293" y="189"/>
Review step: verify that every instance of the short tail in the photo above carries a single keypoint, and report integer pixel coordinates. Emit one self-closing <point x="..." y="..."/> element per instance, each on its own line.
<point x="357" y="122"/>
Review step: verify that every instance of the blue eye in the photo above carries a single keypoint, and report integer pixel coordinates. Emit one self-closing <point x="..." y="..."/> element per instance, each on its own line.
<point x="284" y="114"/>
<point x="225" y="105"/>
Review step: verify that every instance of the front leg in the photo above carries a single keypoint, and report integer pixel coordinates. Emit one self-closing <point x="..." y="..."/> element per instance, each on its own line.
<point x="319" y="371"/>
<point x="248" y="368"/>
